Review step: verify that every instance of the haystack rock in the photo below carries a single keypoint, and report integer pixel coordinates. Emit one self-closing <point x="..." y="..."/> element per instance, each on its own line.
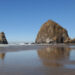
<point x="51" y="32"/>
<point x="3" y="39"/>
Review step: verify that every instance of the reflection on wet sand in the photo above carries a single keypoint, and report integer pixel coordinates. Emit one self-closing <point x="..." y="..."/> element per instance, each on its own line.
<point x="51" y="55"/>
<point x="2" y="55"/>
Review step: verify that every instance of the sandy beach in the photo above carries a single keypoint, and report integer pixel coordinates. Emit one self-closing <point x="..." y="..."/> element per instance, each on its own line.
<point x="37" y="60"/>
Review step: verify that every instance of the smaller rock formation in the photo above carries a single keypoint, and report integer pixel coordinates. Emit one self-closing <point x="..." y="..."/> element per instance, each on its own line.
<point x="3" y="39"/>
<point x="70" y="41"/>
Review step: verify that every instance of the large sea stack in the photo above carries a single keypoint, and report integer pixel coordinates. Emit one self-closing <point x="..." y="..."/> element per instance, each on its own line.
<point x="52" y="32"/>
<point x="3" y="39"/>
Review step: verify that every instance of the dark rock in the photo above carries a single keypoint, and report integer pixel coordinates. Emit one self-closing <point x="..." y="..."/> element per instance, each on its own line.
<point x="69" y="41"/>
<point x="51" y="32"/>
<point x="3" y="39"/>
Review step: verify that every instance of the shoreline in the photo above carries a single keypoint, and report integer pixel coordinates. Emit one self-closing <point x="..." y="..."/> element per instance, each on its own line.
<point x="11" y="48"/>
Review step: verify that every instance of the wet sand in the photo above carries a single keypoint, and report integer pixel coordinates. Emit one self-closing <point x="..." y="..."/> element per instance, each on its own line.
<point x="37" y="60"/>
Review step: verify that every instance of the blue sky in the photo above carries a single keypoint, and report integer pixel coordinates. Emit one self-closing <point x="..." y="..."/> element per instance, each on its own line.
<point x="22" y="19"/>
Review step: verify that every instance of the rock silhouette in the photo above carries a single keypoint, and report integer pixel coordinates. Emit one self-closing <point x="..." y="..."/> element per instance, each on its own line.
<point x="3" y="39"/>
<point x="51" y="32"/>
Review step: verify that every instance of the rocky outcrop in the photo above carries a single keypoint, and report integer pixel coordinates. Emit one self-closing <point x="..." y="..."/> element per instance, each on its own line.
<point x="70" y="41"/>
<point x="51" y="32"/>
<point x="3" y="39"/>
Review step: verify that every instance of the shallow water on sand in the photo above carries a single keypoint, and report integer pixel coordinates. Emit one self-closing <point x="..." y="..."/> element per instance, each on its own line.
<point x="51" y="60"/>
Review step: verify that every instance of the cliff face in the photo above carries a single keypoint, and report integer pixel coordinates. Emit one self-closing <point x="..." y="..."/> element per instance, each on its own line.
<point x="51" y="32"/>
<point x="3" y="39"/>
